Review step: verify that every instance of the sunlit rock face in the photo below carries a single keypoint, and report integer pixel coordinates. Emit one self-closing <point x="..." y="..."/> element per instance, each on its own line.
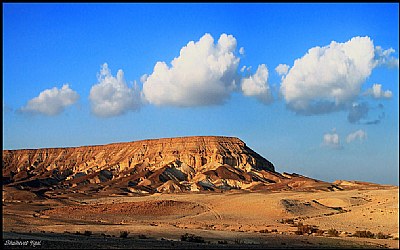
<point x="159" y="165"/>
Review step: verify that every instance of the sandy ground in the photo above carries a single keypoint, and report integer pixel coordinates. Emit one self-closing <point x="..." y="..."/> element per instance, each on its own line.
<point x="240" y="219"/>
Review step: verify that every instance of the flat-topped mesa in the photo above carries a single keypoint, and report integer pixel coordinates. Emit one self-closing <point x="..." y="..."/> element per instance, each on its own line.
<point x="199" y="152"/>
<point x="196" y="154"/>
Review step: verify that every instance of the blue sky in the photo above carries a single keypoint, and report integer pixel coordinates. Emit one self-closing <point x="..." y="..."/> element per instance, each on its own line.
<point x="84" y="74"/>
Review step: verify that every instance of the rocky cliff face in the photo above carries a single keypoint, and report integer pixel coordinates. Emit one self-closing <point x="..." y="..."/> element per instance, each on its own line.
<point x="148" y="166"/>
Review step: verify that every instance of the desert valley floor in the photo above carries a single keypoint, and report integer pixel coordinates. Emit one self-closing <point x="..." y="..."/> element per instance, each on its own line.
<point x="186" y="192"/>
<point x="236" y="219"/>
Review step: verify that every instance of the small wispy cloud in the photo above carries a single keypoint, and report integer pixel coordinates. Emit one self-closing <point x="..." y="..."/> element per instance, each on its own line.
<point x="385" y="57"/>
<point x="377" y="92"/>
<point x="52" y="101"/>
<point x="246" y="70"/>
<point x="359" y="134"/>
<point x="282" y="69"/>
<point x="332" y="140"/>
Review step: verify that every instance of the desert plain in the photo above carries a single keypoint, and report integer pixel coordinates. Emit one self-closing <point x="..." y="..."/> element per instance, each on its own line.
<point x="231" y="198"/>
<point x="232" y="218"/>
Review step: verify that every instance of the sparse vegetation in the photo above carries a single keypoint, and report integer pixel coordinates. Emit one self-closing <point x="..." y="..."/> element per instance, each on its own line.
<point x="369" y="234"/>
<point x="222" y="242"/>
<point x="287" y="221"/>
<point x="305" y="229"/>
<point x="239" y="241"/>
<point x="192" y="238"/>
<point x="364" y="234"/>
<point x="381" y="235"/>
<point x="333" y="232"/>
<point x="142" y="236"/>
<point x="87" y="233"/>
<point x="123" y="234"/>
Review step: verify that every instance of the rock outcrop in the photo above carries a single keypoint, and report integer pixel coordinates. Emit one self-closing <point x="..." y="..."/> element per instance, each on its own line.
<point x="147" y="166"/>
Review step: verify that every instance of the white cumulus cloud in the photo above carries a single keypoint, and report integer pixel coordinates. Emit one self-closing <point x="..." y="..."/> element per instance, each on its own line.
<point x="204" y="74"/>
<point x="52" y="101"/>
<point x="359" y="134"/>
<point x="332" y="140"/>
<point x="257" y="85"/>
<point x="385" y="57"/>
<point x="282" y="69"/>
<point x="241" y="51"/>
<point x="329" y="78"/>
<point x="111" y="96"/>
<point x="377" y="92"/>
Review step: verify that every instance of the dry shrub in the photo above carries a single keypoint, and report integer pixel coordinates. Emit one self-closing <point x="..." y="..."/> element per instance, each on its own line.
<point x="333" y="232"/>
<point x="381" y="235"/>
<point x="239" y="241"/>
<point x="287" y="221"/>
<point x="364" y="234"/>
<point x="305" y="229"/>
<point x="142" y="236"/>
<point x="192" y="238"/>
<point x="87" y="233"/>
<point x="123" y="234"/>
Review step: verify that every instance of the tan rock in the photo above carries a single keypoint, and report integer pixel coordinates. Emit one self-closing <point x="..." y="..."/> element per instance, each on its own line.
<point x="157" y="165"/>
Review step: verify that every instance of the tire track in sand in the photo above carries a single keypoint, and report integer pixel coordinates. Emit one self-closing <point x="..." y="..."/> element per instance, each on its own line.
<point x="212" y="210"/>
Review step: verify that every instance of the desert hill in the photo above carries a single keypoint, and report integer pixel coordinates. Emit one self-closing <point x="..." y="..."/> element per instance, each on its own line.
<point x="156" y="191"/>
<point x="166" y="165"/>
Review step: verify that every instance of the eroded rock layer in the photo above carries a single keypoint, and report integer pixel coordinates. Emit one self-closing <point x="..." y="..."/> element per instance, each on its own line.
<point x="148" y="166"/>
